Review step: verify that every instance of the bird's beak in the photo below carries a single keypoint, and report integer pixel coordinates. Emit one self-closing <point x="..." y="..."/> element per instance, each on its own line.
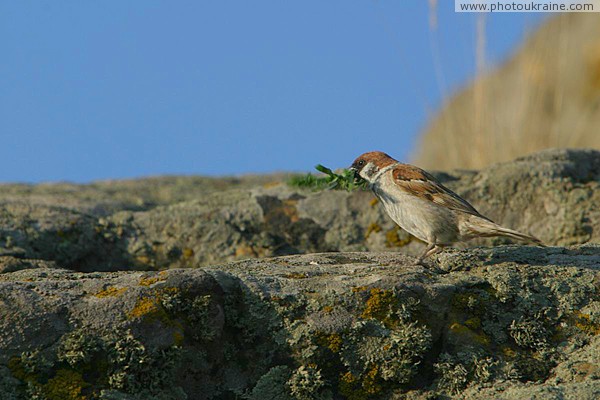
<point x="355" y="172"/>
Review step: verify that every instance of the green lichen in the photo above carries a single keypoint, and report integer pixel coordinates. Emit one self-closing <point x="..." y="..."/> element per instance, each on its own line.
<point x="31" y="366"/>
<point x="183" y="313"/>
<point x="472" y="320"/>
<point x="78" y="348"/>
<point x="377" y="354"/>
<point x="85" y="364"/>
<point x="46" y="380"/>
<point x="529" y="333"/>
<point x="306" y="383"/>
<point x="386" y="306"/>
<point x="196" y="313"/>
<point x="474" y="303"/>
<point x="534" y="366"/>
<point x="133" y="368"/>
<point x="380" y="357"/>
<point x="457" y="372"/>
<point x="273" y="385"/>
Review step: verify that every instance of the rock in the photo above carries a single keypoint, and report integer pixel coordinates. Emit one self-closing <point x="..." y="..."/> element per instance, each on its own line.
<point x="12" y="264"/>
<point x="347" y="316"/>
<point x="103" y="198"/>
<point x="554" y="195"/>
<point x="478" y="323"/>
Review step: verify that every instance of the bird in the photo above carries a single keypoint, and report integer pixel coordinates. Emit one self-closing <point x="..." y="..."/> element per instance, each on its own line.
<point x="424" y="207"/>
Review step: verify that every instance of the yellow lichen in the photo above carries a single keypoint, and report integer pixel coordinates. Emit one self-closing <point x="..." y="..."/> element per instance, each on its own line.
<point x="15" y="365"/>
<point x="392" y="239"/>
<point x="332" y="341"/>
<point x="354" y="388"/>
<point x="348" y="387"/>
<point x="374" y="227"/>
<point x="373" y="202"/>
<point x="370" y="382"/>
<point x="143" y="260"/>
<point x="144" y="307"/>
<point x="296" y="275"/>
<point x="151" y="280"/>
<point x="473" y="323"/>
<point x="380" y="306"/>
<point x="169" y="290"/>
<point x="188" y="253"/>
<point x="149" y="305"/>
<point x="110" y="291"/>
<point x="468" y="334"/>
<point x="327" y="309"/>
<point x="508" y="352"/>
<point x="65" y="385"/>
<point x="584" y="323"/>
<point x="357" y="289"/>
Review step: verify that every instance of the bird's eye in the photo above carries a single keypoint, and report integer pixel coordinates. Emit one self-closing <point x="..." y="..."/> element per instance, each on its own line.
<point x="361" y="163"/>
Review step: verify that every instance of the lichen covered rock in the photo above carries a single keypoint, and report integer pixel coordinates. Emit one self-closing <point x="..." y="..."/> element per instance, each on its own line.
<point x="552" y="194"/>
<point x="478" y="323"/>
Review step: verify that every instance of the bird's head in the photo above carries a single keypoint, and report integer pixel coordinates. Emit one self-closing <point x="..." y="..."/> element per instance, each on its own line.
<point x="369" y="164"/>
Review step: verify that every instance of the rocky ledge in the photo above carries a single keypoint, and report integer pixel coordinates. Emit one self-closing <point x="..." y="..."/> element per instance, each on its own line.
<point x="198" y="288"/>
<point x="506" y="322"/>
<point x="189" y="221"/>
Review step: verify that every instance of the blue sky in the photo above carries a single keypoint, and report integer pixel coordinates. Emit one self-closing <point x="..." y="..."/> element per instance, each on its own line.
<point x="120" y="89"/>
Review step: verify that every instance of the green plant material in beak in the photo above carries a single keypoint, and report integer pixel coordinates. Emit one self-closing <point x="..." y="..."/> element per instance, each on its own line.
<point x="330" y="181"/>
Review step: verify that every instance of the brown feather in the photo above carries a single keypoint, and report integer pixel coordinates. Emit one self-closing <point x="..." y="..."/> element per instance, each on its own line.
<point x="420" y="183"/>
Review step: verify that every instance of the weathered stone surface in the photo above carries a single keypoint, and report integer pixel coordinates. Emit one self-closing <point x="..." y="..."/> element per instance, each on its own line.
<point x="479" y="323"/>
<point x="553" y="194"/>
<point x="502" y="322"/>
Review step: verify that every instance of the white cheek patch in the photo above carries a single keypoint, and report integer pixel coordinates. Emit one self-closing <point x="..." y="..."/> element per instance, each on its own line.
<point x="368" y="171"/>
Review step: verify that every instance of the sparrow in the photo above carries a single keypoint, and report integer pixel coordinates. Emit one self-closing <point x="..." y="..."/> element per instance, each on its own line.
<point x="425" y="208"/>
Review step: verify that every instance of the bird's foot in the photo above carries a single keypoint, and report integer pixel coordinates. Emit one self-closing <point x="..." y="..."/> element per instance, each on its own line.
<point x="420" y="262"/>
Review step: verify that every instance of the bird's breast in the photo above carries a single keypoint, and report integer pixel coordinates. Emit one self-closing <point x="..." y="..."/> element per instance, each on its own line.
<point x="419" y="217"/>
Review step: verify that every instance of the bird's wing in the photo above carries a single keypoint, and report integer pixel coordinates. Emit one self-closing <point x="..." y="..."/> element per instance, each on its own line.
<point x="422" y="184"/>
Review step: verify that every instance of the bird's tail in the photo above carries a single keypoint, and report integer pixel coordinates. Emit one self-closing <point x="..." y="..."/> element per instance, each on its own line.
<point x="482" y="227"/>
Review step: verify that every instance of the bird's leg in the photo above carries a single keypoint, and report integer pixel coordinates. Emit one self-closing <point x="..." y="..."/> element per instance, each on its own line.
<point x="425" y="253"/>
<point x="430" y="250"/>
